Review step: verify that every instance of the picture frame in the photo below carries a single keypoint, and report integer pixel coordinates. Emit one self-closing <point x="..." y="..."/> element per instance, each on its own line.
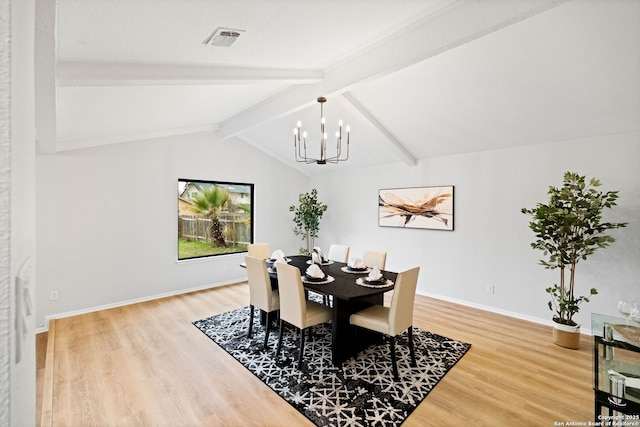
<point x="417" y="207"/>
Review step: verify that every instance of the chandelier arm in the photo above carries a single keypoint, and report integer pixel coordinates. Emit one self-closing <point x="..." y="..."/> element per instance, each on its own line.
<point x="301" y="158"/>
<point x="337" y="158"/>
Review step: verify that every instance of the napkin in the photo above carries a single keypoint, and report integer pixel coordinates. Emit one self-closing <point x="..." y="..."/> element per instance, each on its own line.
<point x="321" y="255"/>
<point x="356" y="263"/>
<point x="315" y="272"/>
<point x="374" y="274"/>
<point x="277" y="254"/>
<point x="281" y="260"/>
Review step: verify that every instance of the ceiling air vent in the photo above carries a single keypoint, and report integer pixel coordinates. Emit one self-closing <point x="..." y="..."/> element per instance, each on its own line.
<point x="224" y="37"/>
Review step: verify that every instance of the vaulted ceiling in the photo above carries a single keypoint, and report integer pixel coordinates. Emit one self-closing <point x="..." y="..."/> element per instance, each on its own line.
<point x="413" y="78"/>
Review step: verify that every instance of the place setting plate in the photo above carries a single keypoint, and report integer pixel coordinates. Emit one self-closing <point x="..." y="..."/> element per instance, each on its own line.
<point x="323" y="263"/>
<point x="365" y="270"/>
<point x="271" y="260"/>
<point x="384" y="283"/>
<point x="313" y="281"/>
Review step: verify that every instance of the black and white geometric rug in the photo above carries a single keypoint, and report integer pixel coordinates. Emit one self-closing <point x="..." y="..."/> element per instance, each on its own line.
<point x="361" y="392"/>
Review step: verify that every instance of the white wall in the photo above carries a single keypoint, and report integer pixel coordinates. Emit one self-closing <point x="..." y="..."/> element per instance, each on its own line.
<point x="490" y="243"/>
<point x="107" y="218"/>
<point x="106" y="222"/>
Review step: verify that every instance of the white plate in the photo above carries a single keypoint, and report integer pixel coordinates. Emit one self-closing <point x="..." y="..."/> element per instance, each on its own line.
<point x="329" y="279"/>
<point x="360" y="281"/>
<point x="347" y="270"/>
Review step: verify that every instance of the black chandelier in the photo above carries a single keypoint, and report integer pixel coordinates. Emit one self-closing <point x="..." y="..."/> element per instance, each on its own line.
<point x="300" y="146"/>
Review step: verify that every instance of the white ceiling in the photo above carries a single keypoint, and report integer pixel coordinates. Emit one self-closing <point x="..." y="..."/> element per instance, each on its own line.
<point x="414" y="78"/>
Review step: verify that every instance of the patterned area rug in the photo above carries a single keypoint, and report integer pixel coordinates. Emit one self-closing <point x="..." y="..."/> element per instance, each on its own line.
<point x="361" y="392"/>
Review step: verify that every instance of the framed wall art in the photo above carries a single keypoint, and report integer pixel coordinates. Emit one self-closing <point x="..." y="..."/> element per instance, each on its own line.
<point x="417" y="207"/>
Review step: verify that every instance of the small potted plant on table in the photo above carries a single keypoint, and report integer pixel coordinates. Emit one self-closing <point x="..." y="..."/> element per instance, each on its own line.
<point x="568" y="229"/>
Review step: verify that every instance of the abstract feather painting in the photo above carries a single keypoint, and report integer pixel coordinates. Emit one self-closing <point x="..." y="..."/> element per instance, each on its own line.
<point x="418" y="207"/>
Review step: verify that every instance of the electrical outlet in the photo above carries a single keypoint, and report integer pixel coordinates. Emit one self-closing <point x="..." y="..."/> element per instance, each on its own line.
<point x="53" y="296"/>
<point x="490" y="289"/>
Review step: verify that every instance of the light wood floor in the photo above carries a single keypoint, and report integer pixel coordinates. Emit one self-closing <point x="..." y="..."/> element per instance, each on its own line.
<point x="146" y="364"/>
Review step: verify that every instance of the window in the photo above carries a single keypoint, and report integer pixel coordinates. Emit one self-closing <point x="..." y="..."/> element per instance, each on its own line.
<point x="214" y="218"/>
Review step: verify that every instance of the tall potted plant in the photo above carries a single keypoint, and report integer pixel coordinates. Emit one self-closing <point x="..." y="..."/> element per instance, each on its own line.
<point x="307" y="217"/>
<point x="568" y="229"/>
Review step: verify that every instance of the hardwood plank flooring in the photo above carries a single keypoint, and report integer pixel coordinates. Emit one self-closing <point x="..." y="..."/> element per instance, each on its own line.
<point x="146" y="364"/>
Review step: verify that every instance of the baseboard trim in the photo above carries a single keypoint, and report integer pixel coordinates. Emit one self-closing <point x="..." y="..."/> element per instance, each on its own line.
<point x="546" y="322"/>
<point x="50" y="317"/>
<point x="46" y="410"/>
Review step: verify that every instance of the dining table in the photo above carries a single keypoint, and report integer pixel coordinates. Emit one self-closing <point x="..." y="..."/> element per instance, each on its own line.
<point x="350" y="293"/>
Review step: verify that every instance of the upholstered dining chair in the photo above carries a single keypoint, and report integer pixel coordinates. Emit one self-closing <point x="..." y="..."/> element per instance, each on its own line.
<point x="339" y="253"/>
<point x="294" y="308"/>
<point x="260" y="294"/>
<point x="259" y="250"/>
<point x="395" y="319"/>
<point x="375" y="259"/>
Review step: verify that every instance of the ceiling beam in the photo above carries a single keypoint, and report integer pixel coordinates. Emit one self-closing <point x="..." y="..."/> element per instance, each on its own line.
<point x="454" y="26"/>
<point x="98" y="73"/>
<point x="132" y="137"/>
<point x="400" y="150"/>
<point x="45" y="76"/>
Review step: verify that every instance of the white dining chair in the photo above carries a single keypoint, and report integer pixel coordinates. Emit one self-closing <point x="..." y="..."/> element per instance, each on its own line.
<point x="375" y="259"/>
<point x="261" y="295"/>
<point x="395" y="319"/>
<point x="259" y="250"/>
<point x="294" y="308"/>
<point x="339" y="253"/>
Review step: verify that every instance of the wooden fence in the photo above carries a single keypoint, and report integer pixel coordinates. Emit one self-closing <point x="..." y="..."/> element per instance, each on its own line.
<point x="235" y="226"/>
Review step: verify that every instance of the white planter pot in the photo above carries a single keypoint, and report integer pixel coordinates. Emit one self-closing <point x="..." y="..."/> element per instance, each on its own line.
<point x="566" y="336"/>
<point x="566" y="328"/>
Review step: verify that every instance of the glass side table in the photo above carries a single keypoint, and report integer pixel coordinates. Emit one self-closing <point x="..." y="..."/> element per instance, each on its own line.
<point x="616" y="368"/>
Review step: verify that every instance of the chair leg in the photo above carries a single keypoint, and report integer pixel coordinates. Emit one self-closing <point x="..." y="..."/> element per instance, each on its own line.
<point x="411" y="351"/>
<point x="392" y="348"/>
<point x="250" y="321"/>
<point x="279" y="340"/>
<point x="266" y="330"/>
<point x="301" y="348"/>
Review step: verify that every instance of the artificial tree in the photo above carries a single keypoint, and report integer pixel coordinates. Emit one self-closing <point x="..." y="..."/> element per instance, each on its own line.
<point x="307" y="217"/>
<point x="568" y="229"/>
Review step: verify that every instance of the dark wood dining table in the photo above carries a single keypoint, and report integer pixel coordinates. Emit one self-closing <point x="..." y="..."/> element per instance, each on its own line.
<point x="348" y="298"/>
